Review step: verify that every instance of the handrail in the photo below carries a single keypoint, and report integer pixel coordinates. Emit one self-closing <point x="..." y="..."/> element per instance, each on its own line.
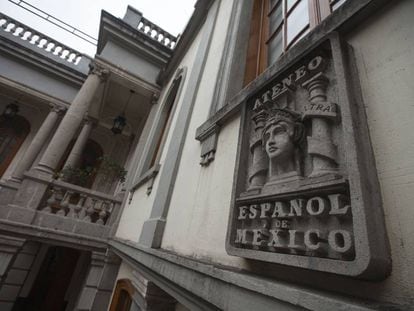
<point x="71" y="201"/>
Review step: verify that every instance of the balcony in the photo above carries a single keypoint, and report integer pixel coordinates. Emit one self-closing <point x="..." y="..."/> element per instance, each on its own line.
<point x="58" y="211"/>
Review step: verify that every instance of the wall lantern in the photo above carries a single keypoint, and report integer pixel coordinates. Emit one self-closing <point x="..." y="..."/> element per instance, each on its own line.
<point x="11" y="110"/>
<point x="119" y="124"/>
<point x="120" y="121"/>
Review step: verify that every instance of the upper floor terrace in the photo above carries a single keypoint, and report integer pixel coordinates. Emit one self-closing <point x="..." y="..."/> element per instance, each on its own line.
<point x="70" y="102"/>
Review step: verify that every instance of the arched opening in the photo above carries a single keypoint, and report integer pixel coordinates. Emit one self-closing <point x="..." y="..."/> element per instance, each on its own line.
<point x="89" y="161"/>
<point x="122" y="297"/>
<point x="166" y="118"/>
<point x="12" y="134"/>
<point x="49" y="291"/>
<point x="91" y="158"/>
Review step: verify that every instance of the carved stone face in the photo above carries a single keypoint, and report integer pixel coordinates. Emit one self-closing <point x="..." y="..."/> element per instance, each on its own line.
<point x="278" y="140"/>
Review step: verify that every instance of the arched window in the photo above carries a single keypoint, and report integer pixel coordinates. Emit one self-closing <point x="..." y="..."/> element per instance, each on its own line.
<point x="12" y="134"/>
<point x="163" y="123"/>
<point x="122" y="297"/>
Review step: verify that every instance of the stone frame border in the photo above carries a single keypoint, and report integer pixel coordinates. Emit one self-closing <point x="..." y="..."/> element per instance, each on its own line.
<point x="371" y="242"/>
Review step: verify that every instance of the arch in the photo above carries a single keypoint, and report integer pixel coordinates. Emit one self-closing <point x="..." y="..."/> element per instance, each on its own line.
<point x="165" y="117"/>
<point x="91" y="157"/>
<point x="13" y="132"/>
<point x="122" y="297"/>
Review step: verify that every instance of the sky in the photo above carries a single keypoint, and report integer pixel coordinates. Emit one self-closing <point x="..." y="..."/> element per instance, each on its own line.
<point x="171" y="15"/>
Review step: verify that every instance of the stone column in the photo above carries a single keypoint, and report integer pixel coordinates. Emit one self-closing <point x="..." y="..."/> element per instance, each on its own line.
<point x="37" y="143"/>
<point x="259" y="166"/>
<point x="75" y="154"/>
<point x="70" y="123"/>
<point x="322" y="113"/>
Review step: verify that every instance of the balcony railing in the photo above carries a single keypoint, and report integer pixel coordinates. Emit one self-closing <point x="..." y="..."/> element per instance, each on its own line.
<point x="39" y="42"/>
<point x="157" y="33"/>
<point x="71" y="201"/>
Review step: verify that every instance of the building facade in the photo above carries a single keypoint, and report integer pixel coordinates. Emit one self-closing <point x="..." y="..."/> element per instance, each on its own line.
<point x="262" y="160"/>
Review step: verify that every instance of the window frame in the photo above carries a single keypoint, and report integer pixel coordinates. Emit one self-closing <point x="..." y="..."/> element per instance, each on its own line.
<point x="149" y="165"/>
<point x="261" y="36"/>
<point x="122" y="286"/>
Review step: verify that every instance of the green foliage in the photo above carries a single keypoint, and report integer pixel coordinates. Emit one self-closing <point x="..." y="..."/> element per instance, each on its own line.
<point x="109" y="169"/>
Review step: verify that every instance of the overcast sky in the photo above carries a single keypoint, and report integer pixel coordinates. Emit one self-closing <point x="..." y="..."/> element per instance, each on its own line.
<point x="171" y="15"/>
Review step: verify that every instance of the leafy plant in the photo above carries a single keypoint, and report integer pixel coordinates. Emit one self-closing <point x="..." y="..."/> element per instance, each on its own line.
<point x="76" y="175"/>
<point x="109" y="169"/>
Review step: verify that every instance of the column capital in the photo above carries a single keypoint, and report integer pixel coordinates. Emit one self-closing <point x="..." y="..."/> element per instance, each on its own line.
<point x="98" y="70"/>
<point x="90" y="120"/>
<point x="59" y="109"/>
<point x="154" y="98"/>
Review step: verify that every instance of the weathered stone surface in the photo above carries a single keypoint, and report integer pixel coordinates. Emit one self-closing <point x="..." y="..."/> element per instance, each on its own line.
<point x="306" y="192"/>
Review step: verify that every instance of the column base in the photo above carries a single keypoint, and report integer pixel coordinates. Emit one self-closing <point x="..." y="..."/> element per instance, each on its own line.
<point x="152" y="232"/>
<point x="44" y="169"/>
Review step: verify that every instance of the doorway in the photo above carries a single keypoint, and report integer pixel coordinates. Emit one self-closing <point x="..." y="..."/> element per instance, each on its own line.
<point x="48" y="292"/>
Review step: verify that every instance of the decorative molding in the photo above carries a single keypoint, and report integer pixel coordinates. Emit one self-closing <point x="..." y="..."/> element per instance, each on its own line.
<point x="148" y="176"/>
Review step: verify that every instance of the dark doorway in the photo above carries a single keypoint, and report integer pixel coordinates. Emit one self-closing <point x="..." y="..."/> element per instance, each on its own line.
<point x="89" y="161"/>
<point x="52" y="281"/>
<point x="12" y="134"/>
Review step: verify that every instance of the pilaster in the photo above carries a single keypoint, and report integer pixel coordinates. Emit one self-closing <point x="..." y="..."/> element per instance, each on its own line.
<point x="99" y="283"/>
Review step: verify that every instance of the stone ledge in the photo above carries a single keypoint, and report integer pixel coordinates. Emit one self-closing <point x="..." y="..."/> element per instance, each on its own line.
<point x="180" y="270"/>
<point x="49" y="235"/>
<point x="149" y="174"/>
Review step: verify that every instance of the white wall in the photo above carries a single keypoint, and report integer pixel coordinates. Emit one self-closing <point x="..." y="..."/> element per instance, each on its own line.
<point x="39" y="80"/>
<point x="198" y="214"/>
<point x="138" y="207"/>
<point x="384" y="49"/>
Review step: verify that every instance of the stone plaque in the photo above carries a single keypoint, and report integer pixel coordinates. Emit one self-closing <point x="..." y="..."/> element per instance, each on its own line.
<point x="306" y="192"/>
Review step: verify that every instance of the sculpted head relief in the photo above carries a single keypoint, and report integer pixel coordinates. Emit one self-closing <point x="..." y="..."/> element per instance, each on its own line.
<point x="282" y="136"/>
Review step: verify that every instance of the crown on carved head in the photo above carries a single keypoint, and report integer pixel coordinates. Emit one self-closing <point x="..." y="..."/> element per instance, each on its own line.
<point x="276" y="115"/>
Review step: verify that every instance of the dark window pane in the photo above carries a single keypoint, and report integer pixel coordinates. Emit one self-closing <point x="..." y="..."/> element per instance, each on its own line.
<point x="275" y="47"/>
<point x="275" y="18"/>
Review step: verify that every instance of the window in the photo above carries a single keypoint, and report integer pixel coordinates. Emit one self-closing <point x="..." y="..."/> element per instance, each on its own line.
<point x="163" y="123"/>
<point x="277" y="25"/>
<point x="122" y="297"/>
<point x="157" y="126"/>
